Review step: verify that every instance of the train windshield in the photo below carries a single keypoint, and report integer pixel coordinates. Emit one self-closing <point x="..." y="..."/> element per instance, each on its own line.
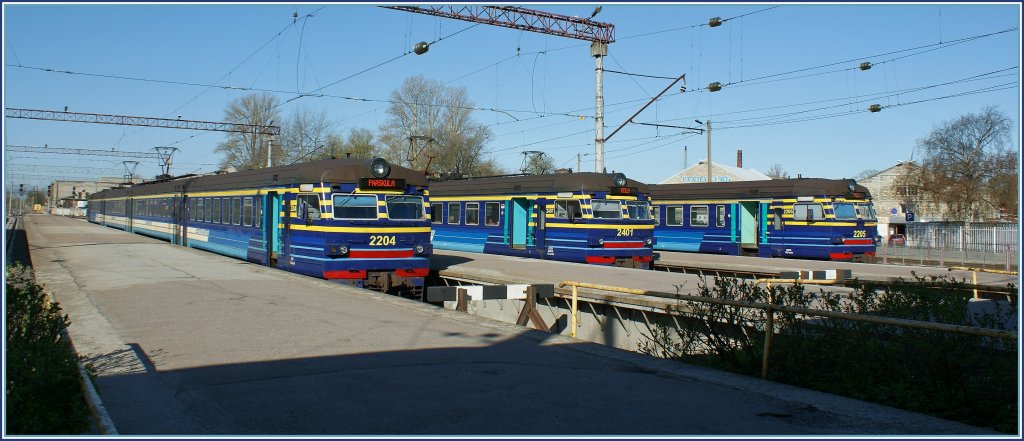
<point x="605" y="209"/>
<point x="844" y="211"/>
<point x="350" y="206"/>
<point x="405" y="207"/>
<point x="867" y="211"/>
<point x="640" y="210"/>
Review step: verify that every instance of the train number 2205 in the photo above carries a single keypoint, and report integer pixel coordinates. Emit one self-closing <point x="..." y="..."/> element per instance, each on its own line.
<point x="380" y="241"/>
<point x="860" y="233"/>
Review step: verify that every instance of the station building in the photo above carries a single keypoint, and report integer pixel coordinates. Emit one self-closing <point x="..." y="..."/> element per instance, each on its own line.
<point x="719" y="173"/>
<point x="68" y="197"/>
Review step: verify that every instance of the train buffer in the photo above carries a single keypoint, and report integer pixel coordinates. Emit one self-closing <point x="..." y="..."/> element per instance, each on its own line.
<point x="461" y="295"/>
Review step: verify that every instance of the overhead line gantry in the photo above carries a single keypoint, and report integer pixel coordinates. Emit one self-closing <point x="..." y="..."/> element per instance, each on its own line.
<point x="597" y="33"/>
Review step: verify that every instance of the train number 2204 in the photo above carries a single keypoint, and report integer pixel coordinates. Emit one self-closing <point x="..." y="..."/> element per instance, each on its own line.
<point x="380" y="241"/>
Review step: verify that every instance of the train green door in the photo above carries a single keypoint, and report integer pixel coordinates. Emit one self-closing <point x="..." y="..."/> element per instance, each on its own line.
<point x="271" y="227"/>
<point x="748" y="226"/>
<point x="520" y="222"/>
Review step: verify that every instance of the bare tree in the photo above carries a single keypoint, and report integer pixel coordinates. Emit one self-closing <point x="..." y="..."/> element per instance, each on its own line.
<point x="537" y="163"/>
<point x="304" y="137"/>
<point x="967" y="165"/>
<point x="776" y="172"/>
<point x="430" y="120"/>
<point x="249" y="150"/>
<point x="865" y="173"/>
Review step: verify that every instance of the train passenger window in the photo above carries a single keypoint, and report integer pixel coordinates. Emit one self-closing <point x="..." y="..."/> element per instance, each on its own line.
<point x="404" y="207"/>
<point x="605" y="209"/>
<point x="247" y="212"/>
<point x="674" y="215"/>
<point x="656" y="215"/>
<point x="566" y="207"/>
<point x="699" y="216"/>
<point x="472" y="213"/>
<point x="213" y="214"/>
<point x="436" y="212"/>
<point x="454" y="213"/>
<point x="308" y="206"/>
<point x="258" y="212"/>
<point x="777" y="219"/>
<point x="350" y="206"/>
<point x="808" y="212"/>
<point x="844" y="211"/>
<point x="191" y="209"/>
<point x="720" y="220"/>
<point x="638" y="210"/>
<point x="492" y="213"/>
<point x="236" y="211"/>
<point x="200" y="209"/>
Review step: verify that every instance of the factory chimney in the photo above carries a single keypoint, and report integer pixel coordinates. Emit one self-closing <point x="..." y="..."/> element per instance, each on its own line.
<point x="739" y="158"/>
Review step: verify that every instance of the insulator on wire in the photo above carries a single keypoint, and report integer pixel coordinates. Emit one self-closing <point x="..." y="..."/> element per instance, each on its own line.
<point x="714" y="22"/>
<point x="714" y="87"/>
<point x="421" y="48"/>
<point x="865" y="65"/>
<point x="875" y="108"/>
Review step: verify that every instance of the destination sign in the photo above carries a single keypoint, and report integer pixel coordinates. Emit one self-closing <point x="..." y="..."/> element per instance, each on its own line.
<point x="623" y="191"/>
<point x="381" y="184"/>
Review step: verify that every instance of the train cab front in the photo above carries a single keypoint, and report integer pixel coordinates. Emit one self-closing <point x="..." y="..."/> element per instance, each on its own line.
<point x="623" y="233"/>
<point x="854" y="237"/>
<point x="380" y="232"/>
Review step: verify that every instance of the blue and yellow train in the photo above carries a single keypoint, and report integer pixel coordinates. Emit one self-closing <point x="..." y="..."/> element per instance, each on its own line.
<point x="801" y="218"/>
<point x="360" y="222"/>
<point x="594" y="218"/>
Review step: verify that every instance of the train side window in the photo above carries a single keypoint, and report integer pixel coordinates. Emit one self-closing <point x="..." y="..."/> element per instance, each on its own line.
<point x="699" y="216"/>
<point x="257" y="211"/>
<point x="720" y="219"/>
<point x="844" y="211"/>
<point x="808" y="212"/>
<point x="777" y="219"/>
<point x="404" y="207"/>
<point x="472" y="213"/>
<point x="674" y="215"/>
<point x="566" y="208"/>
<point x="454" y="213"/>
<point x="492" y="214"/>
<point x="308" y="206"/>
<point x="656" y="214"/>
<point x="436" y="213"/>
<point x="247" y="211"/>
<point x="200" y="209"/>
<point x="213" y="210"/>
<point x="236" y="211"/>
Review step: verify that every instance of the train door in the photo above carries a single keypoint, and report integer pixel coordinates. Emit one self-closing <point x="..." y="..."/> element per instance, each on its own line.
<point x="538" y="231"/>
<point x="184" y="220"/>
<point x="519" y="222"/>
<point x="272" y="227"/>
<point x="748" y="226"/>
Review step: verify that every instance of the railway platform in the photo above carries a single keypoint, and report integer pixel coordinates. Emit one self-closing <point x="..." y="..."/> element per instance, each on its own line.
<point x="191" y="343"/>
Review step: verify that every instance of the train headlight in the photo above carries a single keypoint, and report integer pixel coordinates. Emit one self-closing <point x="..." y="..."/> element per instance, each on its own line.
<point x="380" y="168"/>
<point x="620" y="180"/>
<point x="852" y="185"/>
<point x="649" y="241"/>
<point x="838" y="240"/>
<point x="600" y="241"/>
<point x="420" y="249"/>
<point x="339" y="250"/>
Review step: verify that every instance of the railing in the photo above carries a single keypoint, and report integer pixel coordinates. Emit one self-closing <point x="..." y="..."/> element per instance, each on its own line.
<point x="771" y="308"/>
<point x="992" y="245"/>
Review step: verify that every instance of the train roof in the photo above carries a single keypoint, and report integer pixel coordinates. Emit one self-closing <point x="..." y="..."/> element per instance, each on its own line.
<point x="531" y="184"/>
<point x="774" y="188"/>
<point x="325" y="170"/>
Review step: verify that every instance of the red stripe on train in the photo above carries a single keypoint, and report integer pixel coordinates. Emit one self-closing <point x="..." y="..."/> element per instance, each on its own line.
<point x="345" y="274"/>
<point x="600" y="259"/>
<point x="623" y="244"/>
<point x="380" y="254"/>
<point x="858" y="241"/>
<point x="414" y="272"/>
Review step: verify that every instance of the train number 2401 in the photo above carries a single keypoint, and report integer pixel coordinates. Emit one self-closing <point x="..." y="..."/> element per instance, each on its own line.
<point x="380" y="241"/>
<point x="624" y="232"/>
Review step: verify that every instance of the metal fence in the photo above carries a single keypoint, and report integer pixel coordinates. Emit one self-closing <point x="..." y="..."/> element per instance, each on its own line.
<point x="946" y="243"/>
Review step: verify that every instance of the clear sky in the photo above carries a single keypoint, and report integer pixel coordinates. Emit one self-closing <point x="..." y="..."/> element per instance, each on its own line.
<point x="792" y="95"/>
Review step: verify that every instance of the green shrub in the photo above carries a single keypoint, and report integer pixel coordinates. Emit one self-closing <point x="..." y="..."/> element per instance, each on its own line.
<point x="955" y="376"/>
<point x="43" y="392"/>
